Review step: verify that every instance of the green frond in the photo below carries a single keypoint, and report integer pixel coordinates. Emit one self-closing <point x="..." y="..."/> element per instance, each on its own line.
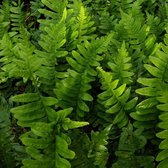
<point x="128" y="153"/>
<point x="7" y="152"/>
<point x="121" y="66"/>
<point x="90" y="152"/>
<point x="4" y="17"/>
<point x="135" y="29"/>
<point x="35" y="108"/>
<point x="115" y="98"/>
<point x="54" y="11"/>
<point x="162" y="106"/>
<point x="156" y="91"/>
<point x="98" y="149"/>
<point x="18" y="22"/>
<point x="155" y="24"/>
<point x="24" y="64"/>
<point x="80" y="26"/>
<point x="125" y="5"/>
<point x="80" y="145"/>
<point x="74" y="90"/>
<point x="6" y="56"/>
<point x="35" y="6"/>
<point x="46" y="144"/>
<point x="83" y="83"/>
<point x="107" y="22"/>
<point x="52" y="42"/>
<point x="55" y="147"/>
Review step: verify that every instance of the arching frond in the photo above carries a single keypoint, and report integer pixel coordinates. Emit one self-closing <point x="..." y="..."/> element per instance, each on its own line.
<point x="74" y="90"/>
<point x="129" y="154"/>
<point x="115" y="99"/>
<point x="121" y="66"/>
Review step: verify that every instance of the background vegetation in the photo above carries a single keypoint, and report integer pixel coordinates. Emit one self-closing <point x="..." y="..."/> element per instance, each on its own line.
<point x="84" y="84"/>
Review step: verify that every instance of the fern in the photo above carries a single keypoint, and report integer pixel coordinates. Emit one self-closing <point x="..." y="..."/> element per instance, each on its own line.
<point x="73" y="91"/>
<point x="18" y="24"/>
<point x="115" y="99"/>
<point x="4" y="17"/>
<point x="44" y="122"/>
<point x="130" y="142"/>
<point x="35" y="6"/>
<point x="51" y="42"/>
<point x="7" y="152"/>
<point x="54" y="12"/>
<point x="162" y="106"/>
<point x="157" y="95"/>
<point x="91" y="152"/>
<point x="77" y="74"/>
<point x="79" y="25"/>
<point x="107" y="22"/>
<point x="47" y="137"/>
<point x="98" y="149"/>
<point x="6" y="55"/>
<point x="121" y="66"/>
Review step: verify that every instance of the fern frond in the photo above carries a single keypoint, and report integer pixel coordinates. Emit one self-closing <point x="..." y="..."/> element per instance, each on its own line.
<point x="90" y="152"/>
<point x="6" y="138"/>
<point x="80" y="145"/>
<point x="134" y="31"/>
<point x="155" y="24"/>
<point x="98" y="149"/>
<point x="115" y="99"/>
<point x="54" y="12"/>
<point x="18" y="22"/>
<point x="24" y="64"/>
<point x="34" y="109"/>
<point x="52" y="42"/>
<point x="49" y="138"/>
<point x="54" y="147"/>
<point x="151" y="90"/>
<point x="107" y="22"/>
<point x="6" y="55"/>
<point x="35" y="6"/>
<point x="80" y="27"/>
<point x="125" y="5"/>
<point x="159" y="71"/>
<point x="73" y="91"/>
<point x="156" y="91"/>
<point x="162" y="106"/>
<point x="121" y="67"/>
<point x="129" y="144"/>
<point x="4" y="17"/>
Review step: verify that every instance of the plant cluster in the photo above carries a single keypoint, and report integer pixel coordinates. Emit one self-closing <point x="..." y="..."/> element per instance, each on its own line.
<point x="84" y="83"/>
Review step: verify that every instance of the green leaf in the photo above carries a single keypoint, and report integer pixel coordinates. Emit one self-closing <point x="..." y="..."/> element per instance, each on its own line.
<point x="162" y="155"/>
<point x="61" y="162"/>
<point x="61" y="114"/>
<point x="41" y="129"/>
<point x="86" y="97"/>
<point x="30" y="107"/>
<point x="146" y="91"/>
<point x="49" y="101"/>
<point x="163" y="164"/>
<point x="62" y="148"/>
<point x="163" y="107"/>
<point x="26" y="97"/>
<point x="131" y="104"/>
<point x="114" y="108"/>
<point x="69" y="124"/>
<point x="36" y="143"/>
<point x="83" y="106"/>
<point x="153" y="70"/>
<point x="119" y="91"/>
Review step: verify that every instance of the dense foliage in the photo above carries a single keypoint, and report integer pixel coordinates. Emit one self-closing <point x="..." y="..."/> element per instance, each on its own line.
<point x="84" y="84"/>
